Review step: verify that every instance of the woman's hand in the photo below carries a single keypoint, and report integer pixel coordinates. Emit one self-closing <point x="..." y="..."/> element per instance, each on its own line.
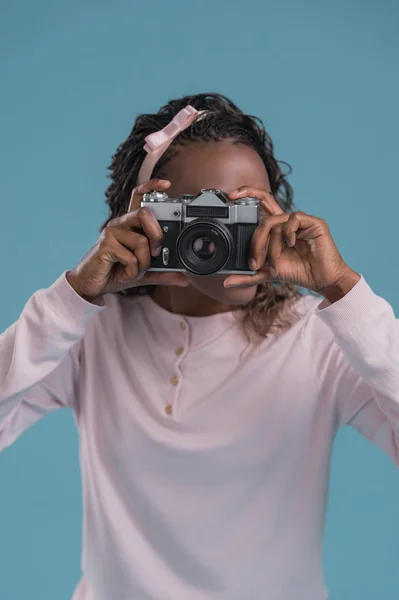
<point x="297" y="248"/>
<point x="122" y="255"/>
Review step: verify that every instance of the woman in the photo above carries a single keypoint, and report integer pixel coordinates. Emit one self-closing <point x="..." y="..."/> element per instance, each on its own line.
<point x="206" y="406"/>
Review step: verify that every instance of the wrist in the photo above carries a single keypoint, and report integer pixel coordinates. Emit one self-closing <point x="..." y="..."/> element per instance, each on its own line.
<point x="73" y="281"/>
<point x="341" y="287"/>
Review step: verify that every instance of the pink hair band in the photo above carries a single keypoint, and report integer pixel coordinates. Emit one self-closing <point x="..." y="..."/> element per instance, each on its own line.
<point x="159" y="141"/>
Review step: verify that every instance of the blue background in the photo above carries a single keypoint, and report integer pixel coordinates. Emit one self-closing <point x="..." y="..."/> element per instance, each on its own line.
<point x="324" y="77"/>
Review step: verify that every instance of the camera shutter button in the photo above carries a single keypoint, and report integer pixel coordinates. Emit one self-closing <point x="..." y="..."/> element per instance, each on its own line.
<point x="248" y="202"/>
<point x="155" y="197"/>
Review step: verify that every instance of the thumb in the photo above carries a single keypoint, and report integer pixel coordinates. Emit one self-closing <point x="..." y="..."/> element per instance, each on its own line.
<point x="164" y="278"/>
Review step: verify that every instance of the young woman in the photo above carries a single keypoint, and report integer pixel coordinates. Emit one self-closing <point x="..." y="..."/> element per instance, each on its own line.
<point x="206" y="406"/>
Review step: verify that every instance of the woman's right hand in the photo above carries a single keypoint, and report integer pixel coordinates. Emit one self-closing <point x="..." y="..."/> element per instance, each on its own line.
<point x="122" y="255"/>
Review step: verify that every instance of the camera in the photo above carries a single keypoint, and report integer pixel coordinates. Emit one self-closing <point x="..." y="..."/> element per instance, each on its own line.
<point x="204" y="234"/>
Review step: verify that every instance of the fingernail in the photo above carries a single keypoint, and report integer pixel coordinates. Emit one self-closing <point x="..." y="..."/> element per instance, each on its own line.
<point x="253" y="265"/>
<point x="157" y="251"/>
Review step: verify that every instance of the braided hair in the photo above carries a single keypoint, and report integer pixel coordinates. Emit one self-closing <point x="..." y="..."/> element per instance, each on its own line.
<point x="223" y="121"/>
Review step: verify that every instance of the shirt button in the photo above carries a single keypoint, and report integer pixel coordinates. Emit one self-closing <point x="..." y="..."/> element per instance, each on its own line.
<point x="168" y="409"/>
<point x="182" y="325"/>
<point x="174" y="380"/>
<point x="179" y="351"/>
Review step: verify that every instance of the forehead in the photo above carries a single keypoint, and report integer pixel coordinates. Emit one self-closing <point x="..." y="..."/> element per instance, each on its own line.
<point x="221" y="165"/>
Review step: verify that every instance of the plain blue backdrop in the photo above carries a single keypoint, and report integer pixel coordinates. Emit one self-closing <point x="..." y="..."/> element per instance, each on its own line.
<point x="324" y="78"/>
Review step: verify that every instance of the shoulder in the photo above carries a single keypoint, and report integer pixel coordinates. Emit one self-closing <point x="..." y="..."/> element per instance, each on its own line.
<point x="302" y="325"/>
<point x="307" y="328"/>
<point x="119" y="316"/>
<point x="315" y="336"/>
<point x="309" y="309"/>
<point x="303" y="315"/>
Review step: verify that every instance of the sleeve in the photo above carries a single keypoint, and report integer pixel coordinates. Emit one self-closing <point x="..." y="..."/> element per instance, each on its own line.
<point x="356" y="354"/>
<point x="39" y="357"/>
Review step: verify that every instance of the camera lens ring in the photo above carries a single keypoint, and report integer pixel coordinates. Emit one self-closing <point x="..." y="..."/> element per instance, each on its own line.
<point x="217" y="233"/>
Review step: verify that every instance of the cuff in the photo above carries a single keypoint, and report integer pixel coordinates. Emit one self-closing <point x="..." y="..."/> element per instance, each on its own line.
<point x="62" y="300"/>
<point x="360" y="308"/>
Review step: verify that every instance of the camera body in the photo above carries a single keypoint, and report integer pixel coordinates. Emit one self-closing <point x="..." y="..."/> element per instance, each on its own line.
<point x="204" y="234"/>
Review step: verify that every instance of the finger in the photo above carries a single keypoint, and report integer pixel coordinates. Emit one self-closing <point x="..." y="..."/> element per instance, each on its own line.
<point x="159" y="185"/>
<point x="120" y="254"/>
<point x="290" y="229"/>
<point x="308" y="227"/>
<point x="152" y="230"/>
<point x="262" y="276"/>
<point x="268" y="201"/>
<point x="142" y="252"/>
<point x="275" y="247"/>
<point x="164" y="278"/>
<point x="143" y="219"/>
<point x="260" y="239"/>
<point x="259" y="244"/>
<point x="138" y="246"/>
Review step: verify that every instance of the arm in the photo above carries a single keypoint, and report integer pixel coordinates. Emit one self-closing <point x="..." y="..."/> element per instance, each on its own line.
<point x="354" y="343"/>
<point x="39" y="354"/>
<point x="39" y="357"/>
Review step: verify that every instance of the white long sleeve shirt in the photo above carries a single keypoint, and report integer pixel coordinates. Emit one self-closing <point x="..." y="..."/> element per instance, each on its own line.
<point x="205" y="462"/>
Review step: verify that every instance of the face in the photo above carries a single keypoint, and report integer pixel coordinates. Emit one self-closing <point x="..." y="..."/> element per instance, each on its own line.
<point x="215" y="165"/>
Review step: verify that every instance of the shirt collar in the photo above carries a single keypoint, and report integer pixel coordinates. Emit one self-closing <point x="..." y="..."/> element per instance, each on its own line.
<point x="196" y="330"/>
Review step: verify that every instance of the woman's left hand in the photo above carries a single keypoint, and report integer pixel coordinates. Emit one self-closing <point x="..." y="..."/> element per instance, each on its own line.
<point x="296" y="247"/>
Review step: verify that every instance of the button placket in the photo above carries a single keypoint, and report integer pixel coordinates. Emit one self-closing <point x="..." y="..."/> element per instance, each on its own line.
<point x="175" y="378"/>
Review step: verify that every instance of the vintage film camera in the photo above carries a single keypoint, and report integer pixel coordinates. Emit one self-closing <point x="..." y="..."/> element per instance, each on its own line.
<point x="204" y="234"/>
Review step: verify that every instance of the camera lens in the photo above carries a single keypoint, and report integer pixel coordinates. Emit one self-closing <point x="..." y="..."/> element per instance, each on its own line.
<point x="204" y="247"/>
